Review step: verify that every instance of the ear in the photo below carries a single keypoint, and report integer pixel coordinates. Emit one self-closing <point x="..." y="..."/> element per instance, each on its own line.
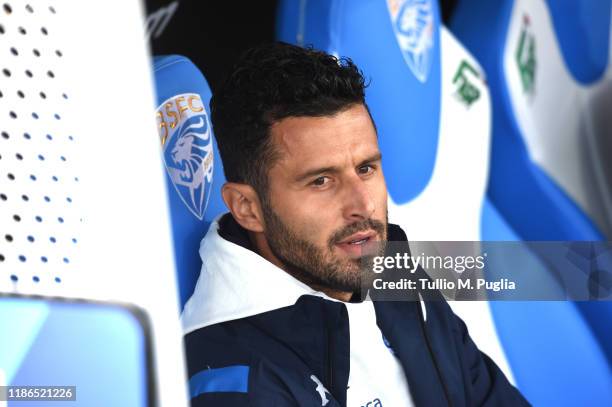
<point x="244" y="204"/>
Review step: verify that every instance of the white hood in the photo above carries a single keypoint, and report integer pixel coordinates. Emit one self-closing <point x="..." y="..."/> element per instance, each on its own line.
<point x="236" y="283"/>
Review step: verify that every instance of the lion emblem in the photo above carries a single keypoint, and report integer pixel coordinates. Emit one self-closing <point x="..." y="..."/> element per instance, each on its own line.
<point x="413" y="23"/>
<point x="188" y="155"/>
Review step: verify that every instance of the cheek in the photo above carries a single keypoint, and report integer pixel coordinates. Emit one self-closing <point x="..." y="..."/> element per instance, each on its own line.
<point x="379" y="194"/>
<point x="309" y="217"/>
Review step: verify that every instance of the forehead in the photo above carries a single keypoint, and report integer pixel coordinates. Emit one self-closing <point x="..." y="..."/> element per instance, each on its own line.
<point x="307" y="141"/>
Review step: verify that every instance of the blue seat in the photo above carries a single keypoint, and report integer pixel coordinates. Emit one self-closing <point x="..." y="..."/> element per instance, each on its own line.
<point x="547" y="64"/>
<point x="430" y="100"/>
<point x="194" y="171"/>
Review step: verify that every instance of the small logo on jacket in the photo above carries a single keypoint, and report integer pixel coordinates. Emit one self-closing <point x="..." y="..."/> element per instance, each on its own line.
<point x="413" y="24"/>
<point x="373" y="403"/>
<point x="321" y="390"/>
<point x="185" y="135"/>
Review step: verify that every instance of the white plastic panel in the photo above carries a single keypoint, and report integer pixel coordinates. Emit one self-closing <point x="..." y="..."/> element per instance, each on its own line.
<point x="83" y="210"/>
<point x="450" y="207"/>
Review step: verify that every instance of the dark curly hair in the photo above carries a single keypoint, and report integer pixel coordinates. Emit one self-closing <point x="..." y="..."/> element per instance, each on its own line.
<point x="269" y="83"/>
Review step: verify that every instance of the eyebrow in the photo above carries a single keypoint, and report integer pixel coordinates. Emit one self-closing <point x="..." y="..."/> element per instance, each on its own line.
<point x="316" y="171"/>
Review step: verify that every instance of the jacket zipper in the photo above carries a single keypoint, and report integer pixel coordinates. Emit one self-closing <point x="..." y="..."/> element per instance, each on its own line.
<point x="330" y="362"/>
<point x="433" y="357"/>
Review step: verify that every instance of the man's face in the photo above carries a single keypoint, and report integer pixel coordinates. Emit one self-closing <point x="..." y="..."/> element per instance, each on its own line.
<point x="327" y="197"/>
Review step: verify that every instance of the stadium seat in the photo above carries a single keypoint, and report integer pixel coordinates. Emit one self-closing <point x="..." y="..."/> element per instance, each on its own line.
<point x="547" y="64"/>
<point x="430" y="100"/>
<point x="193" y="167"/>
<point x="548" y="68"/>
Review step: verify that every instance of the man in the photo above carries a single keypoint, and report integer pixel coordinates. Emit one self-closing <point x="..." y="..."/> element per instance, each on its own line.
<point x="275" y="318"/>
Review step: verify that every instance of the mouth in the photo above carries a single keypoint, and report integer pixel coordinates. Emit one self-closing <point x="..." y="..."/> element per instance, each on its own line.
<point x="358" y="244"/>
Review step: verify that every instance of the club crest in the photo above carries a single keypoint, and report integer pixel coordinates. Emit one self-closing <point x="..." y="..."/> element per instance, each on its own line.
<point x="186" y="138"/>
<point x="413" y="24"/>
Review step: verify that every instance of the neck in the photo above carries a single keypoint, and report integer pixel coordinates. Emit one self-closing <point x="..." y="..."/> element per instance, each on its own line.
<point x="263" y="249"/>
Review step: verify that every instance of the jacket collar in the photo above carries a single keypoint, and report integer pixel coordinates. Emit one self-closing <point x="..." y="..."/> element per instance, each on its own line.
<point x="236" y="282"/>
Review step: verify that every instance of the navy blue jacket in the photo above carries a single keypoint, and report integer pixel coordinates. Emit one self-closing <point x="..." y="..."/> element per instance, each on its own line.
<point x="268" y="359"/>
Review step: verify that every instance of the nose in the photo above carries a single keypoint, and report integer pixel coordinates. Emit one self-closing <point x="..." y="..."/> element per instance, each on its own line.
<point x="358" y="201"/>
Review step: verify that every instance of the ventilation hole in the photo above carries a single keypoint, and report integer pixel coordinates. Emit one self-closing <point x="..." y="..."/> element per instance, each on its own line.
<point x="74" y="240"/>
<point x="57" y="116"/>
<point x="70" y="138"/>
<point x="3" y="197"/>
<point x="50" y="74"/>
<point x="1" y="29"/>
<point x="22" y="31"/>
<point x="47" y="199"/>
<point x="10" y="176"/>
<point x="17" y="218"/>
<point x="36" y="279"/>
<point x="54" y="178"/>
<point x="25" y="198"/>
<point x="64" y="96"/>
<point x="29" y="73"/>
<point x="1" y="257"/>
<point x="13" y="114"/>
<point x="43" y="95"/>
<point x="65" y="260"/>
<point x="60" y="219"/>
<point x="1" y="94"/>
<point x="33" y="177"/>
<point x="62" y="158"/>
<point x="22" y="258"/>
<point x="6" y="72"/>
<point x="14" y="51"/>
<point x="19" y="156"/>
<point x="69" y="199"/>
<point x="5" y="135"/>
<point x="8" y="238"/>
<point x="31" y="239"/>
<point x="76" y="179"/>
<point x="52" y="239"/>
<point x="44" y="31"/>
<point x="7" y="8"/>
<point x="51" y="9"/>
<point x="27" y="136"/>
<point x="43" y="259"/>
<point x="36" y="52"/>
<point x="58" y="280"/>
<point x="41" y="157"/>
<point x="29" y="8"/>
<point x="58" y="53"/>
<point x="35" y="115"/>
<point x="49" y="137"/>
<point x="38" y="219"/>
<point x="14" y="278"/>
<point x="20" y="94"/>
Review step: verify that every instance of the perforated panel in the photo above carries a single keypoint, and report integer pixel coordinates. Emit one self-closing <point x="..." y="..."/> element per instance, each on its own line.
<point x="83" y="210"/>
<point x="38" y="180"/>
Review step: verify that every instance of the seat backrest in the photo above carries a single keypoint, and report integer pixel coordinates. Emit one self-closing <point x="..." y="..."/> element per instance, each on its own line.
<point x="548" y="68"/>
<point x="549" y="71"/>
<point x="193" y="168"/>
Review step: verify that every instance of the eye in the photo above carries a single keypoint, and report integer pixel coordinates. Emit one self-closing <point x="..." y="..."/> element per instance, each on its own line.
<point x="366" y="169"/>
<point x="321" y="181"/>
